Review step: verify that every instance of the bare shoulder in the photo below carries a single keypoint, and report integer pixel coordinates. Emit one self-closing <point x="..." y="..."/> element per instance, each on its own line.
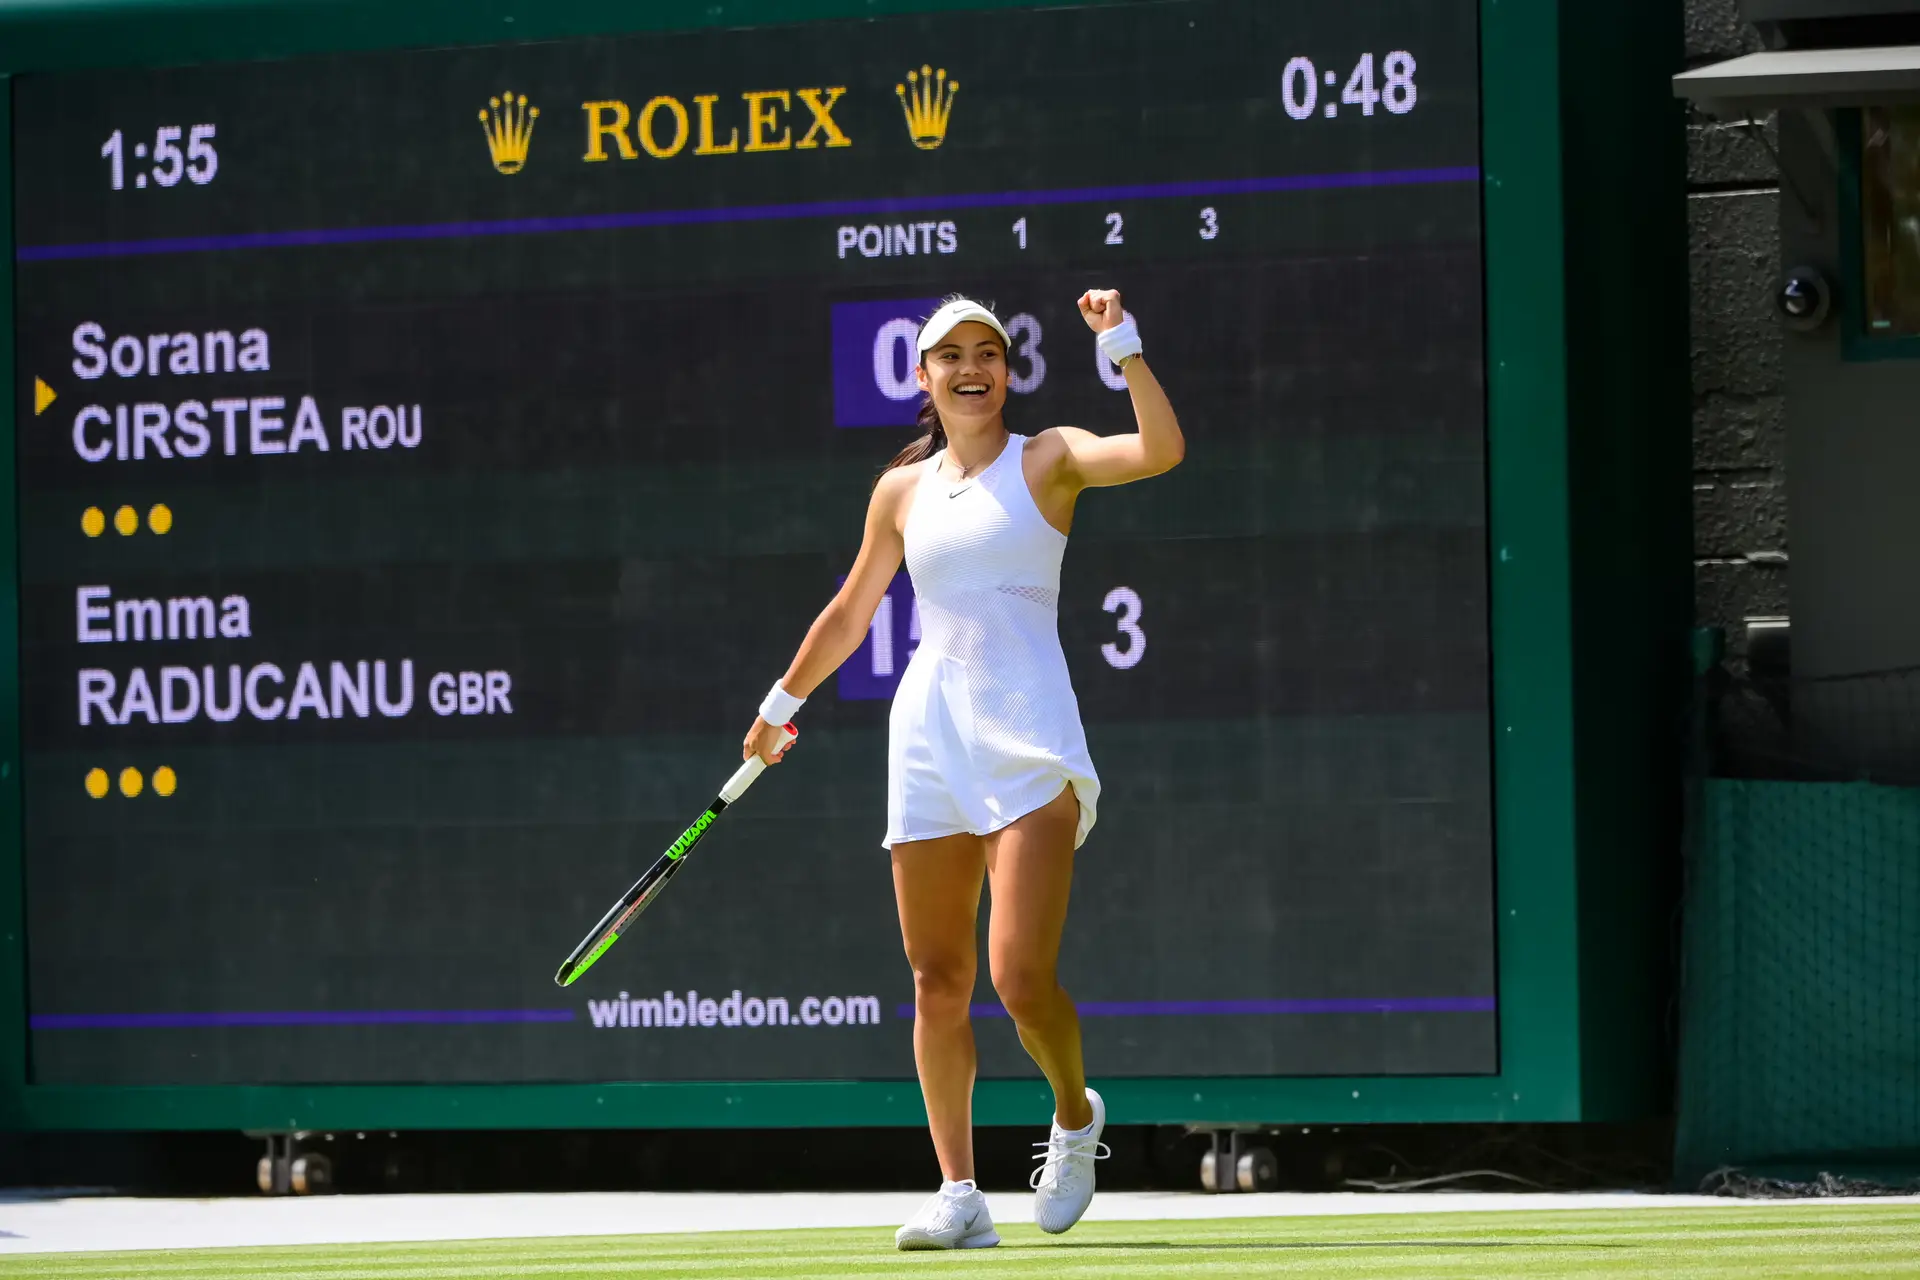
<point x="1050" y="454"/>
<point x="893" y="494"/>
<point x="1048" y="449"/>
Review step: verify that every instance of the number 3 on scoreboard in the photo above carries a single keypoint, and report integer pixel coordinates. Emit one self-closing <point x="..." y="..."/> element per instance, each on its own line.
<point x="1125" y="601"/>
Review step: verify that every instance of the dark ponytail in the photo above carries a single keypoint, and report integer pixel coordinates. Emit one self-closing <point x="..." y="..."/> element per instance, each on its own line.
<point x="932" y="442"/>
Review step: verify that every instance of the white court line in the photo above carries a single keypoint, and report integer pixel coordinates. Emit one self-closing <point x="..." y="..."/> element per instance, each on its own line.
<point x="63" y="1225"/>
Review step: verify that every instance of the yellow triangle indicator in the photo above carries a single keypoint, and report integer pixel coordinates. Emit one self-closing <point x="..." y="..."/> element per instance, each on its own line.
<point x="42" y="397"/>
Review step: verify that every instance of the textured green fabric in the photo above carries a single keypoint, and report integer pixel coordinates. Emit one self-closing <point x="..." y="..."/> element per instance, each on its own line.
<point x="1800" y="1008"/>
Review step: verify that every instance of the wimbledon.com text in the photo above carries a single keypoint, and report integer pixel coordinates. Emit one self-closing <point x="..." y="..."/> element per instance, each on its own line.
<point x="670" y="1009"/>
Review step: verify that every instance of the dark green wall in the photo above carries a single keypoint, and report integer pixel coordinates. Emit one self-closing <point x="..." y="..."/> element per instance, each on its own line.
<point x="1629" y="452"/>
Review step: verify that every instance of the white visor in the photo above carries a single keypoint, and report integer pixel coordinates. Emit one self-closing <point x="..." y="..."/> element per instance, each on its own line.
<point x="955" y="313"/>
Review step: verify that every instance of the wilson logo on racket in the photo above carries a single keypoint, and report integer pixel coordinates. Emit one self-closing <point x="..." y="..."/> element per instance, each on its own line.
<point x="691" y="834"/>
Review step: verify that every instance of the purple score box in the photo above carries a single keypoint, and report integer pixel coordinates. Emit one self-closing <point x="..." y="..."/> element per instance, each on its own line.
<point x="873" y="359"/>
<point x="873" y="671"/>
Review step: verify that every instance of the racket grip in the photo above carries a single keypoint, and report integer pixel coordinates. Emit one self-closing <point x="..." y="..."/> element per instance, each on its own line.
<point x="743" y="776"/>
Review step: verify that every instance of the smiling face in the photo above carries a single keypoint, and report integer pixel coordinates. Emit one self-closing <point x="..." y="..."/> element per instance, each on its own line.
<point x="966" y="374"/>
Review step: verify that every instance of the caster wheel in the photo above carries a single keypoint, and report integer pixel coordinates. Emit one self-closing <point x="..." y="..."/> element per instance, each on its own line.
<point x="1257" y="1170"/>
<point x="1208" y="1178"/>
<point x="310" y="1175"/>
<point x="263" y="1175"/>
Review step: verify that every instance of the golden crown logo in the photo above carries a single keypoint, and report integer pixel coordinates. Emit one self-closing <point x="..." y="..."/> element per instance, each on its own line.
<point x="509" y="130"/>
<point x="927" y="98"/>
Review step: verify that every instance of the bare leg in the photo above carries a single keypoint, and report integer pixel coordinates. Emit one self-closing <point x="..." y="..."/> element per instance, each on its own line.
<point x="1031" y="866"/>
<point x="936" y="884"/>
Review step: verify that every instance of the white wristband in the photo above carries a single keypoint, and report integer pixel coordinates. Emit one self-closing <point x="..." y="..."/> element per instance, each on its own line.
<point x="779" y="706"/>
<point x="1121" y="341"/>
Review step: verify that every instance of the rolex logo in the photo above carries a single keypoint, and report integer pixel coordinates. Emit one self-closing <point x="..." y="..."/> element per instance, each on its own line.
<point x="927" y="98"/>
<point x="509" y="130"/>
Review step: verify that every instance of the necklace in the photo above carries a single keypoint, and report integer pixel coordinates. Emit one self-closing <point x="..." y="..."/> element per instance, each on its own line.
<point x="967" y="471"/>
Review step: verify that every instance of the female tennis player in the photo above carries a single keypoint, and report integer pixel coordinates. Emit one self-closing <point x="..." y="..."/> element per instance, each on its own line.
<point x="987" y="766"/>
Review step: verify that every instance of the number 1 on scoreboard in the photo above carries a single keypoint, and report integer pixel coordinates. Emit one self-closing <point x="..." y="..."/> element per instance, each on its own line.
<point x="1020" y="231"/>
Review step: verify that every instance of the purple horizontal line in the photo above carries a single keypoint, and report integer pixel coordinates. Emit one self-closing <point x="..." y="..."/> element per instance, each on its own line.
<point x="743" y="213"/>
<point x="1229" y="1008"/>
<point x="294" y="1018"/>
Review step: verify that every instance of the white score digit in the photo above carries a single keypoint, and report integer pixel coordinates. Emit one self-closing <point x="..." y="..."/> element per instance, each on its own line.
<point x="114" y="150"/>
<point x="1124" y="601"/>
<point x="1360" y="91"/>
<point x="1299" y="105"/>
<point x="893" y="350"/>
<point x="166" y="147"/>
<point x="1020" y="230"/>
<point x="1400" y="93"/>
<point x="1209" y="223"/>
<point x="202" y="161"/>
<point x="1114" y="225"/>
<point x="1024" y="329"/>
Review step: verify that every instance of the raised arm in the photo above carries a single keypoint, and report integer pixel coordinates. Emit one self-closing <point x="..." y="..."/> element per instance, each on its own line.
<point x="1093" y="461"/>
<point x="837" y="632"/>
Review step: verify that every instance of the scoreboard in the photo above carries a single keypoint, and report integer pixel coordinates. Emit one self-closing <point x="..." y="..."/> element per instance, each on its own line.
<point x="426" y="453"/>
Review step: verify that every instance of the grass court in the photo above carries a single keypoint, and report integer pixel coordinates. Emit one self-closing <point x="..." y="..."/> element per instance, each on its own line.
<point x="1756" y="1243"/>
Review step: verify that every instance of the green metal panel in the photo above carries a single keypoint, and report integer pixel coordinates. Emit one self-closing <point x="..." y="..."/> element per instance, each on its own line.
<point x="1629" y="449"/>
<point x="1550" y="853"/>
<point x="1531" y="638"/>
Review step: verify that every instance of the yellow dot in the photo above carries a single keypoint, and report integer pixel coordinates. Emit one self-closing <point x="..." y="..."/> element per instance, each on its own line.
<point x="126" y="520"/>
<point x="160" y="519"/>
<point x="164" y="781"/>
<point x="93" y="522"/>
<point x="97" y="783"/>
<point x="131" y="782"/>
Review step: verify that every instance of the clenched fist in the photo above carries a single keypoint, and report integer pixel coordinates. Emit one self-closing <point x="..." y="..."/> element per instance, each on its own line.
<point x="1101" y="309"/>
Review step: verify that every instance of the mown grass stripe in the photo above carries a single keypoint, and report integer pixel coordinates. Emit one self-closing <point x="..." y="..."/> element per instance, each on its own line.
<point x="1735" y="1243"/>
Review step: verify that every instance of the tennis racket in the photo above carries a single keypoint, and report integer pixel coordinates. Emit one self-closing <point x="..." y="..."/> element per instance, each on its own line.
<point x="665" y="867"/>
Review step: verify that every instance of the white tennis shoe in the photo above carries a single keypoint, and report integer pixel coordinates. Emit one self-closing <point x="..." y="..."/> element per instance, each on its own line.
<point x="1064" y="1180"/>
<point x="955" y="1217"/>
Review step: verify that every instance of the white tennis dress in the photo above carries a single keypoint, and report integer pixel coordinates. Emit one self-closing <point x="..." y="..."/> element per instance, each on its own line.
<point x="985" y="728"/>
